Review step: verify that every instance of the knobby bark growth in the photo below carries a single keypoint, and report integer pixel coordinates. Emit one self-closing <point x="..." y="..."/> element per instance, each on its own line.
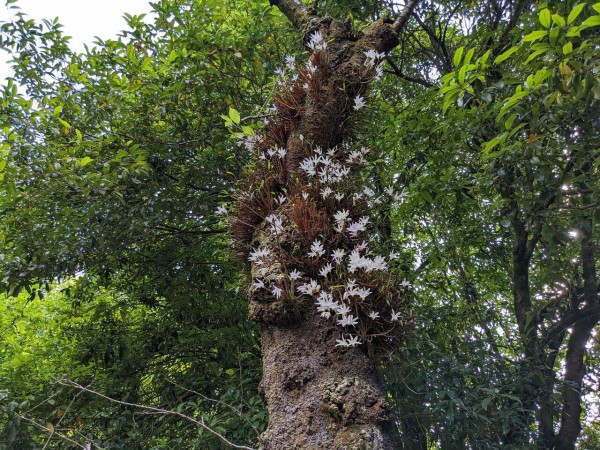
<point x="320" y="385"/>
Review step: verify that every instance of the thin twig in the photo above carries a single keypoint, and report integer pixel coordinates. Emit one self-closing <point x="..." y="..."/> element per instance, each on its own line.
<point x="200" y="423"/>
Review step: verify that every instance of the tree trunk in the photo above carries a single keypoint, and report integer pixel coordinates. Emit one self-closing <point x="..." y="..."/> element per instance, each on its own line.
<point x="574" y="361"/>
<point x="319" y="396"/>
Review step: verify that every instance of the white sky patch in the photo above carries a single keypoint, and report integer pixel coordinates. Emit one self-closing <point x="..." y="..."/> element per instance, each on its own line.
<point x="83" y="20"/>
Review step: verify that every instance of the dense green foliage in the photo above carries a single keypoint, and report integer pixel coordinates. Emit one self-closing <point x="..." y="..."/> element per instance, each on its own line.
<point x="115" y="271"/>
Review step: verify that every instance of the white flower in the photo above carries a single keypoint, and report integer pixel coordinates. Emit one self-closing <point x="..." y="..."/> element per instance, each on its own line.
<point x="378" y="72"/>
<point x="326" y="303"/>
<point x="295" y="275"/>
<point x="305" y="195"/>
<point x="281" y="152"/>
<point x="276" y="224"/>
<point x="318" y="151"/>
<point x="400" y="197"/>
<point x="338" y="254"/>
<point x="359" y="102"/>
<point x="311" y="68"/>
<point x="368" y="191"/>
<point x="393" y="255"/>
<point x="309" y="165"/>
<point x="405" y="283"/>
<point x="221" y="211"/>
<point x="280" y="72"/>
<point x="356" y="227"/>
<point x="342" y="309"/>
<point x="362" y="246"/>
<point x="362" y="292"/>
<point x="352" y="341"/>
<point x="258" y="253"/>
<point x="395" y="316"/>
<point x="374" y="315"/>
<point x="341" y="342"/>
<point x="326" y="192"/>
<point x="339" y="196"/>
<point x="326" y="314"/>
<point x="372" y="56"/>
<point x="301" y="137"/>
<point x="309" y="288"/>
<point x="281" y="199"/>
<point x="349" y="320"/>
<point x="258" y="284"/>
<point x="316" y="249"/>
<point x="326" y="270"/>
<point x="271" y="152"/>
<point x="277" y="291"/>
<point x="316" y="41"/>
<point x="290" y="62"/>
<point x="340" y="219"/>
<point x="379" y="263"/>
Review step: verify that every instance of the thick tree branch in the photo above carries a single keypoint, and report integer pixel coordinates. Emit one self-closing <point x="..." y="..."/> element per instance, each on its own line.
<point x="294" y="10"/>
<point x="404" y="15"/>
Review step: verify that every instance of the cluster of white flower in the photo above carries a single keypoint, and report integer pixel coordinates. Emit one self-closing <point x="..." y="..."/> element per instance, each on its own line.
<point x="373" y="57"/>
<point x="351" y="341"/>
<point x="374" y="60"/>
<point x="279" y="152"/>
<point x="358" y="261"/>
<point x="356" y="227"/>
<point x="248" y="141"/>
<point x="326" y="168"/>
<point x="358" y="156"/>
<point x="316" y="41"/>
<point x="353" y="305"/>
<point x="276" y="224"/>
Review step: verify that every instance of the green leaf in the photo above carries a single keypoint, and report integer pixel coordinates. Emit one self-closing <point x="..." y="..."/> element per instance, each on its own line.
<point x="545" y="18"/>
<point x="458" y="56"/>
<point x="57" y="111"/>
<point x="461" y="75"/>
<point x="489" y="145"/>
<point x="509" y="122"/>
<point x="596" y="7"/>
<point x="592" y="21"/>
<point x="504" y="56"/>
<point x="85" y="161"/>
<point x="469" y="56"/>
<point x="575" y="13"/>
<point x="559" y="20"/>
<point x="535" y="36"/>
<point x="567" y="48"/>
<point x="234" y="116"/>
<point x="2" y="165"/>
<point x="534" y="55"/>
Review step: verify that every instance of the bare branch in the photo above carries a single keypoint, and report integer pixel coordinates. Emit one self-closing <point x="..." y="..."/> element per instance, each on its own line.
<point x="53" y="431"/>
<point x="200" y="422"/>
<point x="398" y="72"/>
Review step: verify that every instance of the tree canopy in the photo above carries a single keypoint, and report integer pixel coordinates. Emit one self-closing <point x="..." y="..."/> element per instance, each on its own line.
<point x="116" y="269"/>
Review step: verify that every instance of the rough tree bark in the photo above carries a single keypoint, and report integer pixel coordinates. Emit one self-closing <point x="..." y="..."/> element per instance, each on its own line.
<point x="319" y="396"/>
